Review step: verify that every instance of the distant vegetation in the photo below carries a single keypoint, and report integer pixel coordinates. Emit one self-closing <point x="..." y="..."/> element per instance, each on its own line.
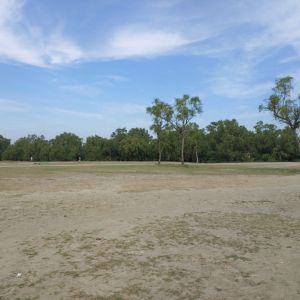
<point x="177" y="137"/>
<point x="221" y="141"/>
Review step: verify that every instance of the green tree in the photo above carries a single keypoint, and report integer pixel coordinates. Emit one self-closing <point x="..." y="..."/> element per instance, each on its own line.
<point x="161" y="116"/>
<point x="286" y="148"/>
<point x="266" y="138"/>
<point x="41" y="149"/>
<point x="272" y="143"/>
<point x="115" y="141"/>
<point x="136" y="145"/>
<point x="4" y="143"/>
<point x="27" y="148"/>
<point x="96" y="148"/>
<point x="228" y="141"/>
<point x="196" y="143"/>
<point x="283" y="108"/>
<point x="185" y="109"/>
<point x="66" y="147"/>
<point x="171" y="147"/>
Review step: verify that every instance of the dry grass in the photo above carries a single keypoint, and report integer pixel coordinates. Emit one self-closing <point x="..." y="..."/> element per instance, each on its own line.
<point x="101" y="231"/>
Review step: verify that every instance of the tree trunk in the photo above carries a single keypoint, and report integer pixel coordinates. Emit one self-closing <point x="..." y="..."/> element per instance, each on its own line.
<point x="196" y="150"/>
<point x="182" y="150"/>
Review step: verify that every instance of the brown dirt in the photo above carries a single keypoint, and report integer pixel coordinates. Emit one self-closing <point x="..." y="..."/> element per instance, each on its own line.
<point x="86" y="232"/>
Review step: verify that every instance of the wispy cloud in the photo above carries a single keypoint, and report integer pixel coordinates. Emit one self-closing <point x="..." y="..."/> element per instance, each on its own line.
<point x="241" y="89"/>
<point x="11" y="106"/>
<point x="90" y="90"/>
<point x="60" y="50"/>
<point x="164" y="27"/>
<point x="107" y="111"/>
<point x="25" y="43"/>
<point x="79" y="114"/>
<point x="135" y="41"/>
<point x="236" y="79"/>
<point x="93" y="89"/>
<point x="280" y="26"/>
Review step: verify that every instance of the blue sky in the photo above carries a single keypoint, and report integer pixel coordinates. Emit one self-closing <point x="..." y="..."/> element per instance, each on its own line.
<point x="92" y="66"/>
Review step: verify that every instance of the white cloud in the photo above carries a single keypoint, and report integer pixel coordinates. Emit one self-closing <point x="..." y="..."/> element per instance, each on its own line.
<point x="22" y="42"/>
<point x="269" y="25"/>
<point x="210" y="30"/>
<point x="142" y="42"/>
<point x="59" y="50"/>
<point x="10" y="9"/>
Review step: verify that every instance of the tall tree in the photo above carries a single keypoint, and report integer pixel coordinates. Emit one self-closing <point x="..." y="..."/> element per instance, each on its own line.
<point x="185" y="109"/>
<point x="161" y="116"/>
<point x="283" y="108"/>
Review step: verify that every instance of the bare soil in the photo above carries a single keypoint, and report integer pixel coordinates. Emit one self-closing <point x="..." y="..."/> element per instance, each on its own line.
<point x="142" y="231"/>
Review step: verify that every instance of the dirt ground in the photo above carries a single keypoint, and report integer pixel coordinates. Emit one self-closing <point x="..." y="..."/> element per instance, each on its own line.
<point x="142" y="231"/>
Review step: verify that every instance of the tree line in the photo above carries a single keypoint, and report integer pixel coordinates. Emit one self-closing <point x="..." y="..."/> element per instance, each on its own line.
<point x="177" y="137"/>
<point x="221" y="141"/>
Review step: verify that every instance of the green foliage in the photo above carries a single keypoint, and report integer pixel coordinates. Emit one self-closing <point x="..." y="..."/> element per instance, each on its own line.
<point x="171" y="147"/>
<point x="4" y="143"/>
<point x="273" y="144"/>
<point x="31" y="147"/>
<point x="221" y="141"/>
<point x="96" y="148"/>
<point x="137" y="145"/>
<point x="228" y="141"/>
<point x="185" y="109"/>
<point x="178" y="117"/>
<point x="116" y="139"/>
<point x="196" y="144"/>
<point x="161" y="116"/>
<point x="283" y="108"/>
<point x="266" y="139"/>
<point x="286" y="148"/>
<point x="66" y="147"/>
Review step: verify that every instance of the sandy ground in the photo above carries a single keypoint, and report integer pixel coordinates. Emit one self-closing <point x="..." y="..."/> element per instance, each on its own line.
<point x="223" y="231"/>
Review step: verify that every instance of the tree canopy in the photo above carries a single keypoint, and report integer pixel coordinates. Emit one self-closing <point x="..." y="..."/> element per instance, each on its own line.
<point x="283" y="106"/>
<point x="185" y="109"/>
<point x="221" y="141"/>
<point x="161" y="116"/>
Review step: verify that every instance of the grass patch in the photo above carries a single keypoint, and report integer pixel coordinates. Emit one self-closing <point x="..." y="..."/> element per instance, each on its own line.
<point x="171" y="257"/>
<point x="54" y="169"/>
